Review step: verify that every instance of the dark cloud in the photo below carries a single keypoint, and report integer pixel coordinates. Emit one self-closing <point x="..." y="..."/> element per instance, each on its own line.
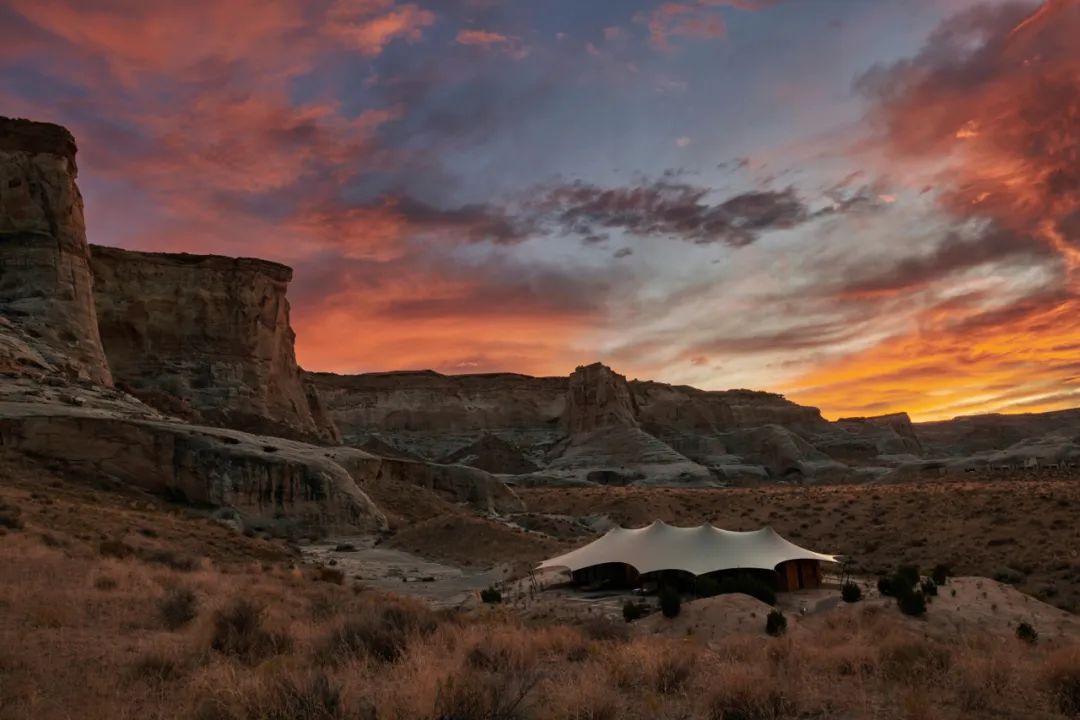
<point x="672" y="209"/>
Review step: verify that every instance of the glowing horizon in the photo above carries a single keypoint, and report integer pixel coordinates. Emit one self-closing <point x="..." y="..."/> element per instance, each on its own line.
<point x="868" y="207"/>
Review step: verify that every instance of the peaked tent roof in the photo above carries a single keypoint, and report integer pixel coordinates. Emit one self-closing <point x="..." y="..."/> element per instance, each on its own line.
<point x="696" y="550"/>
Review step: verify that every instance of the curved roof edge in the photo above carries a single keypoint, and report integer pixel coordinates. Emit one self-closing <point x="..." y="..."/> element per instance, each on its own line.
<point x="696" y="550"/>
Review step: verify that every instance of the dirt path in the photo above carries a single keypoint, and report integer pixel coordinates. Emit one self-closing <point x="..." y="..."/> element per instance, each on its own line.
<point x="385" y="568"/>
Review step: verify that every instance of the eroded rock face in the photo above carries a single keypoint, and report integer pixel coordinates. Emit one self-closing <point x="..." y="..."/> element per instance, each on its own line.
<point x="598" y="397"/>
<point x="273" y="483"/>
<point x="46" y="287"/>
<point x="207" y="338"/>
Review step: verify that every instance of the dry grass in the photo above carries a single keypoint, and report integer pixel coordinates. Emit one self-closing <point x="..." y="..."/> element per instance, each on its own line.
<point x="270" y="642"/>
<point x="276" y="643"/>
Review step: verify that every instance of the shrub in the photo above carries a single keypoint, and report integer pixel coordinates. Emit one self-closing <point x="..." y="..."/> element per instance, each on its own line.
<point x="914" y="661"/>
<point x="317" y="699"/>
<point x="885" y="587"/>
<point x="928" y="588"/>
<point x="670" y="602"/>
<point x="743" y="696"/>
<point x="633" y="610"/>
<point x="912" y="603"/>
<point x="329" y="575"/>
<point x="105" y="583"/>
<point x="9" y="517"/>
<point x="940" y="574"/>
<point x="237" y="630"/>
<point x="1026" y="632"/>
<point x="491" y="595"/>
<point x="382" y="635"/>
<point x="1061" y="676"/>
<point x="178" y="608"/>
<point x="906" y="578"/>
<point x="775" y="623"/>
<point x="169" y="558"/>
<point x="850" y="592"/>
<point x="674" y="669"/>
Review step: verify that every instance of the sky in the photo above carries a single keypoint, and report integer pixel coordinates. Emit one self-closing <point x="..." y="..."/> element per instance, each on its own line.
<point x="870" y="206"/>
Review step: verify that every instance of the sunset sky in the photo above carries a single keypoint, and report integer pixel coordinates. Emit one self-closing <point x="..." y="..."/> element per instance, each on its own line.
<point x="868" y="205"/>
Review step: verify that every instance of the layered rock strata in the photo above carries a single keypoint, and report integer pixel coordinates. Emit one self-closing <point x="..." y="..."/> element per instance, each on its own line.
<point x="207" y="338"/>
<point x="46" y="287"/>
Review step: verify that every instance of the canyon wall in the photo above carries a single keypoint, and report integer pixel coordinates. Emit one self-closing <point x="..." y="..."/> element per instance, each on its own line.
<point x="46" y="287"/>
<point x="206" y="338"/>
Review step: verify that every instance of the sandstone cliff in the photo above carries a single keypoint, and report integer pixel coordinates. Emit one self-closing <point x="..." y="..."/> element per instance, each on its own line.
<point x="46" y="288"/>
<point x="207" y="338"/>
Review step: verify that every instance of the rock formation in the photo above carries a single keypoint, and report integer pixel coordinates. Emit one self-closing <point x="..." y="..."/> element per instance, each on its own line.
<point x="46" y="288"/>
<point x="208" y="338"/>
<point x="596" y="398"/>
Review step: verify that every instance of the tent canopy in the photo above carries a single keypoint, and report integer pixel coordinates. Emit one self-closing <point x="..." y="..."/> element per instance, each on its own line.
<point x="696" y="550"/>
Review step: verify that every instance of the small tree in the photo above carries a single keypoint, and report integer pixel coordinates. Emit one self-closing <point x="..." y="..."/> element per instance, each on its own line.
<point x="940" y="574"/>
<point x="670" y="602"/>
<point x="850" y="592"/>
<point x="912" y="603"/>
<point x="775" y="623"/>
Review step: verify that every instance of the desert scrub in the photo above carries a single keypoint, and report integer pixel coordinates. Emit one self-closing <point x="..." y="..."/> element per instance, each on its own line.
<point x="491" y="595"/>
<point x="670" y="602"/>
<point x="179" y="607"/>
<point x="850" y="592"/>
<point x="237" y="630"/>
<point x="634" y="610"/>
<point x="1027" y="632"/>
<point x="775" y="623"/>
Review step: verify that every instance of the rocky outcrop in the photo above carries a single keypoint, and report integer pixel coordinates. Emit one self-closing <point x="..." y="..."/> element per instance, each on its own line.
<point x="430" y="415"/>
<point x="596" y="398"/>
<point x="46" y="287"/>
<point x="207" y="338"/>
<point x="493" y="454"/>
<point x="272" y="483"/>
<point x="864" y="439"/>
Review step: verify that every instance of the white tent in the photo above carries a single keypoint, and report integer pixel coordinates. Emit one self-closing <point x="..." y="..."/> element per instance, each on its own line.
<point x="696" y="550"/>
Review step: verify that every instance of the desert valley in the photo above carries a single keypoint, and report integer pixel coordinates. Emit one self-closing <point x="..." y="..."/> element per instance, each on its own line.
<point x="192" y="525"/>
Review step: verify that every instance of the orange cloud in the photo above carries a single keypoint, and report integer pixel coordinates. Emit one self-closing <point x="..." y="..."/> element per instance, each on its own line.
<point x="989" y="112"/>
<point x="512" y="46"/>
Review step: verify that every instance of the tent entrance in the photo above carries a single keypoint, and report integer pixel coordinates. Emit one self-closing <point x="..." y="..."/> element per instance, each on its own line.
<point x="799" y="575"/>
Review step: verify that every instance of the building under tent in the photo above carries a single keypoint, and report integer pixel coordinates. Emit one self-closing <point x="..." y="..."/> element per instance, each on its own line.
<point x="628" y="556"/>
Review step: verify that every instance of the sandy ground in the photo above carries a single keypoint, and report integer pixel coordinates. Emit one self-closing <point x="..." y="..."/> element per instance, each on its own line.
<point x="386" y="568"/>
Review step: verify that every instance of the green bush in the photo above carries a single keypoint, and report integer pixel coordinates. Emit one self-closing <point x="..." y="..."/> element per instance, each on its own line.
<point x="1027" y="633"/>
<point x="775" y="623"/>
<point x="912" y="603"/>
<point x="632" y="610"/>
<point x="491" y="596"/>
<point x="670" y="602"/>
<point x="850" y="592"/>
<point x="178" y="608"/>
<point x="941" y="573"/>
